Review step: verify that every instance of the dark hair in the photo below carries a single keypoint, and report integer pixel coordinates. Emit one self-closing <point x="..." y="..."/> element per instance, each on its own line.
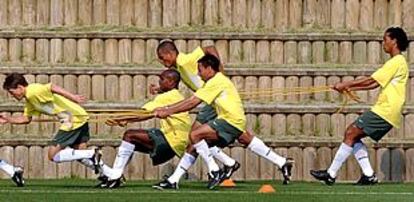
<point x="173" y="75"/>
<point x="399" y="34"/>
<point x="167" y="45"/>
<point x="210" y="60"/>
<point x="13" y="80"/>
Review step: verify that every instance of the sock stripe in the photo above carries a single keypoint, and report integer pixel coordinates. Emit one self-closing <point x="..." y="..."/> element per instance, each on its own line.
<point x="268" y="152"/>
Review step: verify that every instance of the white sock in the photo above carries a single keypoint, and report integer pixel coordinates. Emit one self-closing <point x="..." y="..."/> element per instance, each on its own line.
<point x="9" y="169"/>
<point x="258" y="147"/>
<point x="340" y="157"/>
<point x="125" y="151"/>
<point x="185" y="163"/>
<point x="70" y="154"/>
<point x="106" y="170"/>
<point x="221" y="156"/>
<point x="203" y="150"/>
<point x="88" y="163"/>
<point x="361" y="155"/>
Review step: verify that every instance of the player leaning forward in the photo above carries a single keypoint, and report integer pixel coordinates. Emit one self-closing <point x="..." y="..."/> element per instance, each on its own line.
<point x="70" y="142"/>
<point x="187" y="65"/>
<point x="385" y="114"/>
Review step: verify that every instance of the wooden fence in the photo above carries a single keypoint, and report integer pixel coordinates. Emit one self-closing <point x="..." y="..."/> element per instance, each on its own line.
<point x="279" y="15"/>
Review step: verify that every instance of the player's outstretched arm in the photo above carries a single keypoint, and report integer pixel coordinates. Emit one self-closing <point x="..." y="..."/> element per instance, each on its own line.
<point x="364" y="83"/>
<point x="183" y="106"/>
<point x="5" y="118"/>
<point x="74" y="97"/>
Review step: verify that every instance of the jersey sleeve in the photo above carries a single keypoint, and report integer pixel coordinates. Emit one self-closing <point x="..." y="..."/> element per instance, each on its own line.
<point x="384" y="75"/>
<point x="209" y="92"/>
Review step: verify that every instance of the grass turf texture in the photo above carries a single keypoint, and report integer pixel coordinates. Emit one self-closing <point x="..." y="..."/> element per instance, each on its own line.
<point x="83" y="190"/>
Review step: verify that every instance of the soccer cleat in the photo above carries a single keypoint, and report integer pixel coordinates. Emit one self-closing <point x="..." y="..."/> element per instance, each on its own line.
<point x="103" y="180"/>
<point x="165" y="184"/>
<point x="323" y="175"/>
<point x="229" y="170"/>
<point x="96" y="159"/>
<point x="287" y="170"/>
<point x="18" y="177"/>
<point x="215" y="177"/>
<point x="365" y="180"/>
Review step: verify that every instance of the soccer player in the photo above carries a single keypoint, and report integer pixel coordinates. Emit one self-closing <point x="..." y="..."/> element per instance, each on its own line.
<point x="70" y="142"/>
<point x="186" y="64"/>
<point x="385" y="114"/>
<point x="161" y="144"/>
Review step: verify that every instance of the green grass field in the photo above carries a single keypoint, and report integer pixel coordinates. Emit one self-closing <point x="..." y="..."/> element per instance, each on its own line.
<point x="83" y="190"/>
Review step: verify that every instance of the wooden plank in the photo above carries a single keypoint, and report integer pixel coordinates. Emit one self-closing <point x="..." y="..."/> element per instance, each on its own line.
<point x="235" y="51"/>
<point x="238" y="13"/>
<point x="183" y="12"/>
<point x="252" y="166"/>
<point x="97" y="51"/>
<point x="338" y="20"/>
<point x="238" y="154"/>
<point x="352" y="14"/>
<point x="309" y="125"/>
<point x="15" y="50"/>
<point x="42" y="50"/>
<point x="56" y="51"/>
<point x="360" y="52"/>
<point x="279" y="126"/>
<point x="383" y="167"/>
<point x="294" y="125"/>
<point x="290" y="48"/>
<point x="125" y="51"/>
<point x="85" y="84"/>
<point x="113" y="12"/>
<point x="127" y="12"/>
<point x="3" y="13"/>
<point x="84" y="51"/>
<point x="111" y="88"/>
<point x="111" y="51"/>
<point x="263" y="52"/>
<point x="71" y="14"/>
<point x="409" y="165"/>
<point x="28" y="12"/>
<point x="98" y="87"/>
<point x="265" y="125"/>
<point x="15" y="11"/>
<point x="304" y="52"/>
<point x="138" y="51"/>
<point x="141" y="13"/>
<point x="397" y="165"/>
<point x="225" y="13"/>
<point x="35" y="168"/>
<point x="267" y="13"/>
<point x="337" y="126"/>
<point x="21" y="158"/>
<point x="69" y="50"/>
<point x="99" y="12"/>
<point x="297" y="155"/>
<point x="57" y="12"/>
<point x="155" y="13"/>
<point x="125" y="91"/>
<point x="211" y="12"/>
<point x="253" y="8"/>
<point x="309" y="162"/>
<point x="380" y="14"/>
<point x="28" y="50"/>
<point x="295" y="14"/>
<point x="318" y="52"/>
<point x="249" y="51"/>
<point x="85" y="12"/>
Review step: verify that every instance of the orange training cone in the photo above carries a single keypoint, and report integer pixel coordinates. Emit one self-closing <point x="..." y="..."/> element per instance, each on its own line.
<point x="266" y="188"/>
<point x="228" y="183"/>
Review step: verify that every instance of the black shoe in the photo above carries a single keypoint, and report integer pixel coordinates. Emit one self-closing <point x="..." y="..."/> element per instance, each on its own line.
<point x="18" y="177"/>
<point x="229" y="170"/>
<point x="113" y="184"/>
<point x="323" y="175"/>
<point x="103" y="181"/>
<point x="165" y="184"/>
<point x="287" y="170"/>
<point x="96" y="159"/>
<point x="365" y="180"/>
<point x="215" y="177"/>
